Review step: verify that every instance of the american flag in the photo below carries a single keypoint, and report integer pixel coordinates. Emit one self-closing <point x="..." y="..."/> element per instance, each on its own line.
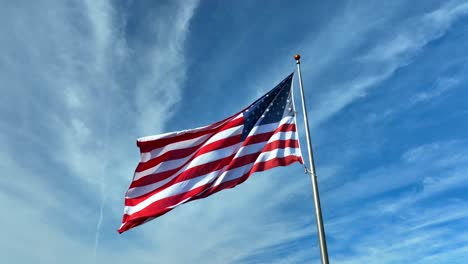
<point x="183" y="166"/>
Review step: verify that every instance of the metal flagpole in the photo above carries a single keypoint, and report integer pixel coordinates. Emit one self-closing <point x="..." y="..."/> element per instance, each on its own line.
<point x="311" y="172"/>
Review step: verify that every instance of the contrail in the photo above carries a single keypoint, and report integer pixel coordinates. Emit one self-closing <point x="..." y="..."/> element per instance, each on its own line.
<point x="103" y="182"/>
<point x="100" y="15"/>
<point x="105" y="152"/>
<point x="101" y="216"/>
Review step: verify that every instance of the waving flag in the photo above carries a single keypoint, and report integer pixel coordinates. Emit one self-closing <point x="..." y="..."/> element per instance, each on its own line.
<point x="182" y="166"/>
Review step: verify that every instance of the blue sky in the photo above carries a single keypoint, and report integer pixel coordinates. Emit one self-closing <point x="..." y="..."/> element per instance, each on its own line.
<point x="386" y="87"/>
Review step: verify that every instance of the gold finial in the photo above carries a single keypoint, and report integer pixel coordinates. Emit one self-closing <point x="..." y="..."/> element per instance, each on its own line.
<point x="297" y="57"/>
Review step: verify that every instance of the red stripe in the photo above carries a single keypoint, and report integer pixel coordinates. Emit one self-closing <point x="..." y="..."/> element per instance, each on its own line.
<point x="277" y="144"/>
<point x="258" y="138"/>
<point x="276" y="162"/>
<point x="285" y="161"/>
<point x="161" y="207"/>
<point x="132" y="224"/>
<point x="200" y="170"/>
<point x="182" y="153"/>
<point x="170" y="155"/>
<point x="281" y="144"/>
<point x="147" y="146"/>
<point x="144" y="140"/>
<point x="156" y="177"/>
<point x="186" y="175"/>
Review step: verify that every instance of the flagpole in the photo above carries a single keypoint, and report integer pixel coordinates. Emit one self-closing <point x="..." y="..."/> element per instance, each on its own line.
<point x="311" y="172"/>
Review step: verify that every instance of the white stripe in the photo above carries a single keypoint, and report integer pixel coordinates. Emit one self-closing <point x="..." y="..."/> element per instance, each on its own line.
<point x="178" y="133"/>
<point x="206" y="158"/>
<point x="146" y="156"/>
<point x="254" y="148"/>
<point x="278" y="153"/>
<point x="200" y="160"/>
<point x="249" y="149"/>
<point x="219" y="176"/>
<point x="172" y="164"/>
<point x="179" y="188"/>
<point x="171" y="134"/>
<point x="243" y="151"/>
<point x="232" y="174"/>
<point x="214" y="155"/>
<point x="270" y="127"/>
<point x="181" y="132"/>
<point x="283" y="136"/>
<point x="247" y="167"/>
<point x="172" y="190"/>
<point x="163" y="166"/>
<point x="225" y="134"/>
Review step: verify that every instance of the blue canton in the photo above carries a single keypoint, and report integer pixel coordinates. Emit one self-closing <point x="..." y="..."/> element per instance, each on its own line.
<point x="270" y="108"/>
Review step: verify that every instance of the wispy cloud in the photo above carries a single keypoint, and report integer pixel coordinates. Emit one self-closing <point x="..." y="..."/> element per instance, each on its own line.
<point x="395" y="50"/>
<point x="402" y="223"/>
<point x="70" y="105"/>
<point x="159" y="89"/>
<point x="441" y="86"/>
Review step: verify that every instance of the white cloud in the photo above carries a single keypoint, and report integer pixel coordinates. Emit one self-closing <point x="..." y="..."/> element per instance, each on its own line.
<point x="400" y="45"/>
<point x="402" y="236"/>
<point x="441" y="86"/>
<point x="75" y="122"/>
<point x="405" y="225"/>
<point x="442" y="154"/>
<point x="159" y="90"/>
